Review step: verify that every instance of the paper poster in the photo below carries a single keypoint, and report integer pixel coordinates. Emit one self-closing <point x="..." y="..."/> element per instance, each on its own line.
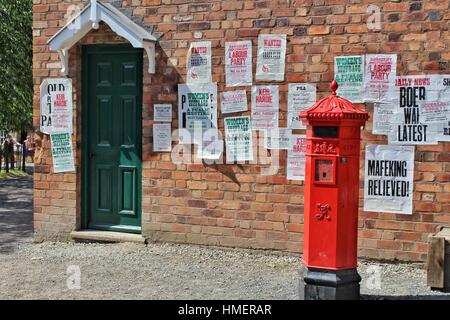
<point x="349" y="74"/>
<point x="277" y="139"/>
<point x="238" y="138"/>
<point x="271" y="57"/>
<point x="163" y="112"/>
<point x="296" y="158"/>
<point x="56" y="106"/>
<point x="196" y="103"/>
<point x="199" y="63"/>
<point x="301" y="96"/>
<point x="62" y="153"/>
<point x="238" y="63"/>
<point x="384" y="115"/>
<point x="412" y="93"/>
<point x="211" y="150"/>
<point x="379" y="77"/>
<point x="444" y="131"/>
<point x="234" y="101"/>
<point x="434" y="112"/>
<point x="162" y="137"/>
<point x="265" y="107"/>
<point x="388" y="180"/>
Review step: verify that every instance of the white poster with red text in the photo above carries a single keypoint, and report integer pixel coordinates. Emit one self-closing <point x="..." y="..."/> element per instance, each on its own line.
<point x="271" y="57"/>
<point x="265" y="106"/>
<point x="379" y="80"/>
<point x="238" y="63"/>
<point x="199" y="63"/>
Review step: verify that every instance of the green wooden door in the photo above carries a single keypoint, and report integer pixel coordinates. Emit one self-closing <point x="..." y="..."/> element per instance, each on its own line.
<point x="112" y="113"/>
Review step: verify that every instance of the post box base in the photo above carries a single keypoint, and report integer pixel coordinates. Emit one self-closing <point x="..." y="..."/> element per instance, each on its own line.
<point x="321" y="284"/>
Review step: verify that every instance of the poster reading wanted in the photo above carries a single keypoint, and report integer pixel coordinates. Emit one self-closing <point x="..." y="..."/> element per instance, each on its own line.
<point x="56" y="106"/>
<point x="388" y="180"/>
<point x="265" y="107"/>
<point x="301" y="96"/>
<point x="379" y="77"/>
<point x="238" y="138"/>
<point x="238" y="63"/>
<point x="349" y="74"/>
<point x="62" y="153"/>
<point x="234" y="101"/>
<point x="199" y="63"/>
<point x="271" y="57"/>
<point x="296" y="158"/>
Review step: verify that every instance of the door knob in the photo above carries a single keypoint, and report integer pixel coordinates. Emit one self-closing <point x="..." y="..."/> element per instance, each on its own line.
<point x="91" y="155"/>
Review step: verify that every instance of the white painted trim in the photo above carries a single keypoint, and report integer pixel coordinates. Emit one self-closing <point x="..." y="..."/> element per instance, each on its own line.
<point x="88" y="19"/>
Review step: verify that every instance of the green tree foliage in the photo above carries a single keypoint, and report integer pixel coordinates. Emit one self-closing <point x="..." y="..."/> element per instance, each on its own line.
<point x="16" y="56"/>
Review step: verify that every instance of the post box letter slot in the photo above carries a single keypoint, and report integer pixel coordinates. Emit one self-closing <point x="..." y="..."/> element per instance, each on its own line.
<point x="324" y="171"/>
<point x="325" y="132"/>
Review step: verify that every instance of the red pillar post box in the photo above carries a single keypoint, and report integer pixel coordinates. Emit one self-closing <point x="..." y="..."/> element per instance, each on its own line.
<point x="331" y="197"/>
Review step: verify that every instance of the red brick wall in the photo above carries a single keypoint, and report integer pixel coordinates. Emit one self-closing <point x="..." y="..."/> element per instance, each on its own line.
<point x="231" y="205"/>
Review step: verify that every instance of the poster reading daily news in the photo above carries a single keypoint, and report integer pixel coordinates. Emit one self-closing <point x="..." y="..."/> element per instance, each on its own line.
<point x="196" y="104"/>
<point x="296" y="158"/>
<point x="301" y="96"/>
<point x="238" y="63"/>
<point x="379" y="77"/>
<point x="199" y="63"/>
<point x="234" y="101"/>
<point x="271" y="57"/>
<point x="388" y="180"/>
<point x="62" y="153"/>
<point x="265" y="106"/>
<point x="349" y="74"/>
<point x="56" y="106"/>
<point x="238" y="138"/>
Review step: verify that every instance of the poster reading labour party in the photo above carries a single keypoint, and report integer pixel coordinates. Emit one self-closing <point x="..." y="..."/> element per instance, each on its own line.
<point x="301" y="96"/>
<point x="238" y="63"/>
<point x="379" y="77"/>
<point x="296" y="158"/>
<point x="196" y="104"/>
<point x="388" y="181"/>
<point x="238" y="138"/>
<point x="234" y="101"/>
<point x="56" y="106"/>
<point x="271" y="57"/>
<point x="349" y="74"/>
<point x="62" y="153"/>
<point x="199" y="63"/>
<point x="265" y="106"/>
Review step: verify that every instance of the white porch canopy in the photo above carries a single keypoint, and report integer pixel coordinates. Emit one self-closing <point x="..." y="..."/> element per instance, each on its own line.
<point x="88" y="19"/>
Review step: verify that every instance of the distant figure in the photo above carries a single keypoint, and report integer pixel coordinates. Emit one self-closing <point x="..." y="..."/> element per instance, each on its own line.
<point x="12" y="159"/>
<point x="6" y="154"/>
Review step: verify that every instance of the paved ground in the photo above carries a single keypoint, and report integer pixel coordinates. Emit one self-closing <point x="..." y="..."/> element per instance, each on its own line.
<point x="161" y="271"/>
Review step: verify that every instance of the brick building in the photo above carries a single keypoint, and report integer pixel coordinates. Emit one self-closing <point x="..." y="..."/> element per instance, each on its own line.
<point x="230" y="205"/>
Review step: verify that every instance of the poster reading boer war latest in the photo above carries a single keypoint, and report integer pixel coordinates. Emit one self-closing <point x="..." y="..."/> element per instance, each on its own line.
<point x="56" y="106"/>
<point x="234" y="101"/>
<point x="349" y="74"/>
<point x="265" y="106"/>
<point x="238" y="138"/>
<point x="62" y="153"/>
<point x="411" y="94"/>
<point x="388" y="183"/>
<point x="379" y="77"/>
<point x="271" y="57"/>
<point x="296" y="158"/>
<point x="199" y="63"/>
<point x="196" y="104"/>
<point x="238" y="63"/>
<point x="301" y="96"/>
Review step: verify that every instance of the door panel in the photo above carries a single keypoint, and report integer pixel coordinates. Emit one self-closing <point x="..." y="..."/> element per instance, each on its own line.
<point x="112" y="112"/>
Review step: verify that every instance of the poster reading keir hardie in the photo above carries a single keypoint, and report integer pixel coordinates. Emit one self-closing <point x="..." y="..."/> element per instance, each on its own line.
<point x="199" y="63"/>
<point x="271" y="57"/>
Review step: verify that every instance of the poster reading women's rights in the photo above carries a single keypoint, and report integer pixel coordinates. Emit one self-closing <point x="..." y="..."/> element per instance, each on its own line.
<point x="56" y="106"/>
<point x="265" y="106"/>
<point x="62" y="153"/>
<point x="238" y="63"/>
<point x="349" y="74"/>
<point x="388" y="181"/>
<point x="271" y="57"/>
<point x="199" y="63"/>
<point x="238" y="138"/>
<point x="379" y="77"/>
<point x="197" y="104"/>
<point x="301" y="96"/>
<point x="234" y="101"/>
<point x="296" y="158"/>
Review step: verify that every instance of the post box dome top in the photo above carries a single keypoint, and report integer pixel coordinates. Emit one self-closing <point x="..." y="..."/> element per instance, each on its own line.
<point x="335" y="108"/>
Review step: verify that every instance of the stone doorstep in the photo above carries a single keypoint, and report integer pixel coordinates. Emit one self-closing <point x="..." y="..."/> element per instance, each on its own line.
<point x="106" y="236"/>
